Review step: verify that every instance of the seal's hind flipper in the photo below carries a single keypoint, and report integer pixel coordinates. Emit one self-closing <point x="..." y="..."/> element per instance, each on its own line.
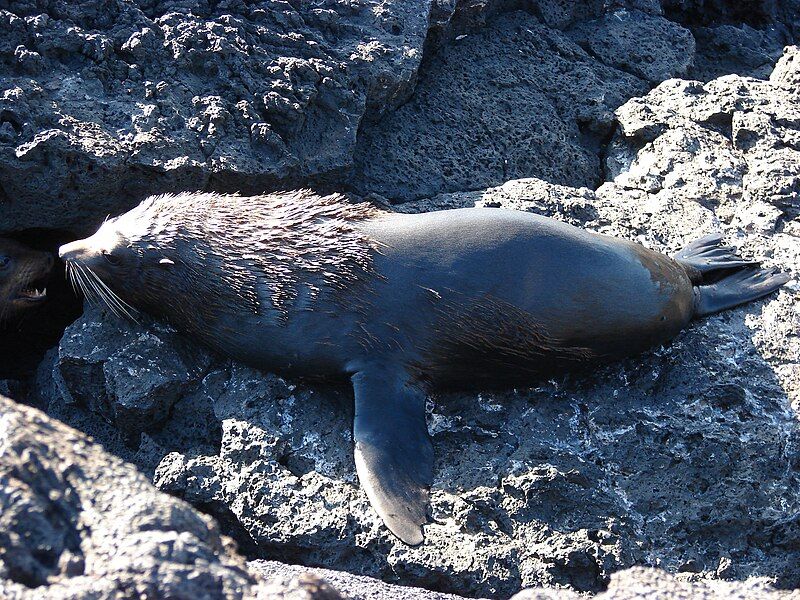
<point x="707" y="254"/>
<point x="737" y="288"/>
<point x="393" y="451"/>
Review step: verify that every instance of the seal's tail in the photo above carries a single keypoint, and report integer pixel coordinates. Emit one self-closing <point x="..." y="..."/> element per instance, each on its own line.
<point x="704" y="256"/>
<point x="722" y="278"/>
<point x="740" y="287"/>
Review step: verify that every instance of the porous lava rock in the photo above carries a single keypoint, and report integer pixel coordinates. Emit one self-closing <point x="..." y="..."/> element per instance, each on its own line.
<point x="516" y="98"/>
<point x="76" y="522"/>
<point x="103" y="103"/>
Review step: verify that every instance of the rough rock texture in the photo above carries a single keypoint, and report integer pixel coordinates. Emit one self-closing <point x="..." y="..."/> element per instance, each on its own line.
<point x="127" y="387"/>
<point x="105" y="102"/>
<point x="515" y="98"/>
<point x="653" y="584"/>
<point x="76" y="522"/>
<point x="624" y="39"/>
<point x="532" y="94"/>
<point x="102" y="103"/>
<point x="686" y="458"/>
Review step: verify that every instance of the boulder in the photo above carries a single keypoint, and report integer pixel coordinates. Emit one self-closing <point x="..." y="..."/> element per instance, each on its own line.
<point x="514" y="99"/>
<point x="76" y="522"/>
<point x="103" y="103"/>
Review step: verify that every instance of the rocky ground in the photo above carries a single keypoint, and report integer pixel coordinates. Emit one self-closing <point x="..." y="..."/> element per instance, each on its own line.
<point x="686" y="459"/>
<point x="78" y="522"/>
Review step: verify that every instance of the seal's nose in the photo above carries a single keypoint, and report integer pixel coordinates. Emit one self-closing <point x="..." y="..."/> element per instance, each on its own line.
<point x="72" y="251"/>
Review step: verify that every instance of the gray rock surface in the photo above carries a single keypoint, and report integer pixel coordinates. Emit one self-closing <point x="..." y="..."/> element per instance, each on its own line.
<point x="686" y="458"/>
<point x="76" y="522"/>
<point x="647" y="46"/>
<point x="79" y="523"/>
<point x="516" y="98"/>
<point x="103" y="102"/>
<point x="653" y="584"/>
<point x="532" y="94"/>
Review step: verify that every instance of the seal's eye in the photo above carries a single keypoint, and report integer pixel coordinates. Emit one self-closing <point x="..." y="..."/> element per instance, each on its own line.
<point x="110" y="258"/>
<point x="4" y="261"/>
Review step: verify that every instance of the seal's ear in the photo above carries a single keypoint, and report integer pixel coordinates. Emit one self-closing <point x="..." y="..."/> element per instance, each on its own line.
<point x="393" y="453"/>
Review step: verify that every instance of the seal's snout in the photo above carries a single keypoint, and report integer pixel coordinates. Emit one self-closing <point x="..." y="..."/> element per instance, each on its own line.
<point x="73" y="251"/>
<point x="82" y="252"/>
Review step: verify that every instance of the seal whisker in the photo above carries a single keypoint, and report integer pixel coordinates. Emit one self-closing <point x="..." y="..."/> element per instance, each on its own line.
<point x="77" y="282"/>
<point x="114" y="302"/>
<point x="100" y="292"/>
<point x="92" y="281"/>
<point x="127" y="309"/>
<point x="74" y="277"/>
<point x="70" y="277"/>
<point x="89" y="290"/>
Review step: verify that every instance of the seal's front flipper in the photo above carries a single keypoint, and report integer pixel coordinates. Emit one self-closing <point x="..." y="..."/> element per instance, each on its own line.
<point x="394" y="454"/>
<point x="737" y="288"/>
<point x="707" y="254"/>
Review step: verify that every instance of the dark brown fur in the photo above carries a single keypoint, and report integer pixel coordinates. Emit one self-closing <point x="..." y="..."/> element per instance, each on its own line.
<point x="22" y="271"/>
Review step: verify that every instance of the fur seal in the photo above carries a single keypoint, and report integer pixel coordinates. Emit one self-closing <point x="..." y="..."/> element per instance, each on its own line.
<point x="400" y="303"/>
<point x="23" y="279"/>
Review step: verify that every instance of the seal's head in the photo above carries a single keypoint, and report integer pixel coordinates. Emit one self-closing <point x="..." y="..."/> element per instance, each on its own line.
<point x="126" y="263"/>
<point x="23" y="278"/>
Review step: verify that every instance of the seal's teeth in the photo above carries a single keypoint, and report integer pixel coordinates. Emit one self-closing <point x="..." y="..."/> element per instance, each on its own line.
<point x="35" y="292"/>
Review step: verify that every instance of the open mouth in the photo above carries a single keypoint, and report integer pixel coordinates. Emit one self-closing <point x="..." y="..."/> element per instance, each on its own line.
<point x="36" y="291"/>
